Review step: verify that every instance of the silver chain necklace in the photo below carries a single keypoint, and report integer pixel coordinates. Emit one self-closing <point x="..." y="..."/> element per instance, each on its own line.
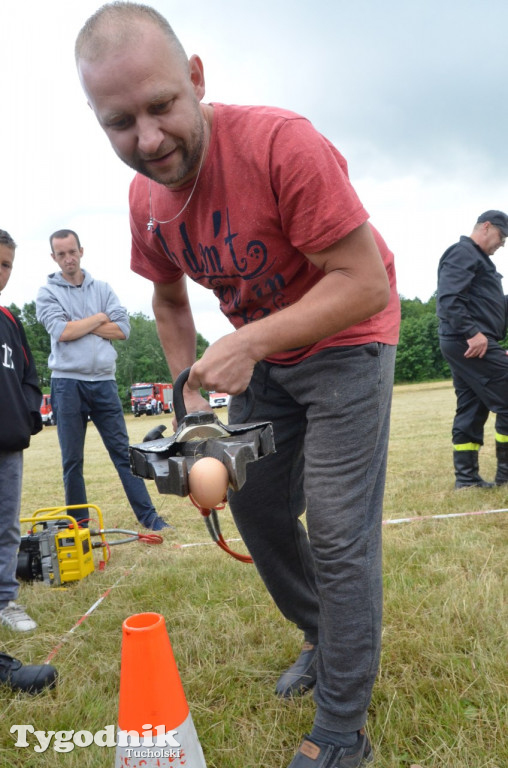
<point x="151" y="222"/>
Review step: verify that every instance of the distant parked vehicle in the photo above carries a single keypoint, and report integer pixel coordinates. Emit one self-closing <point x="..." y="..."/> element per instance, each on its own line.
<point x="218" y="399"/>
<point x="47" y="411"/>
<point x="151" y="398"/>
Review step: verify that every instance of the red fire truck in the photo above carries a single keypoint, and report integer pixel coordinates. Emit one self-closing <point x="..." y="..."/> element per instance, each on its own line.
<point x="151" y="398"/>
<point x="47" y="411"/>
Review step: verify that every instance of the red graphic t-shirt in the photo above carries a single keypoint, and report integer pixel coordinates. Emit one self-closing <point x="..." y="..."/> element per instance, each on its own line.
<point x="270" y="190"/>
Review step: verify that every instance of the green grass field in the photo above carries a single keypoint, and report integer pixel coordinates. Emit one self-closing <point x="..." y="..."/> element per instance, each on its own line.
<point x="441" y="698"/>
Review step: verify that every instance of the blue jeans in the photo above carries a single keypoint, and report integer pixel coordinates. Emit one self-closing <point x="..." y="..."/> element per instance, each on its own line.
<point x="331" y="416"/>
<point x="73" y="401"/>
<point x="11" y="473"/>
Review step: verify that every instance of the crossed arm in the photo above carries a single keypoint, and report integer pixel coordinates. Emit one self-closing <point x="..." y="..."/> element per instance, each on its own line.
<point x="99" y="324"/>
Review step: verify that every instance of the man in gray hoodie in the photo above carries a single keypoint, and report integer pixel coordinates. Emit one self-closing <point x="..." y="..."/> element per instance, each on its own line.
<point x="83" y="316"/>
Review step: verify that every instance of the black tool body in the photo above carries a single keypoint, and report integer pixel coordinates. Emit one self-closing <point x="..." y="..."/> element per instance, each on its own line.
<point x="168" y="461"/>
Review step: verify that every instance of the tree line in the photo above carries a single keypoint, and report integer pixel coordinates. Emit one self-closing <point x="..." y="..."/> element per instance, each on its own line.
<point x="418" y="355"/>
<point x="140" y="357"/>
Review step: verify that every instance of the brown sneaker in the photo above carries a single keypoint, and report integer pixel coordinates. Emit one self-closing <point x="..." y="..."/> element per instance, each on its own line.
<point x="311" y="755"/>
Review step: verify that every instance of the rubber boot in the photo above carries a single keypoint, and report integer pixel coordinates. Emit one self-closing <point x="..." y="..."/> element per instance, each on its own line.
<point x="502" y="464"/>
<point x="467" y="473"/>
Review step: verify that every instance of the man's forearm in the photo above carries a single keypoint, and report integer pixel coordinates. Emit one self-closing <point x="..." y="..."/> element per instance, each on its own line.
<point x="110" y="331"/>
<point x="354" y="287"/>
<point x="75" y="329"/>
<point x="177" y="334"/>
<point x="332" y="305"/>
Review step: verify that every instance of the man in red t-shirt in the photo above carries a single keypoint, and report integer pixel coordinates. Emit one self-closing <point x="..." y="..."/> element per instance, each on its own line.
<point x="253" y="203"/>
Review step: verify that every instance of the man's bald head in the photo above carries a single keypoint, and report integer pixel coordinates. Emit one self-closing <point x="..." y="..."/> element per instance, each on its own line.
<point x="115" y="24"/>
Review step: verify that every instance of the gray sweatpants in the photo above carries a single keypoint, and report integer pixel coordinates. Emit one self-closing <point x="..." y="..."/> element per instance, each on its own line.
<point x="11" y="474"/>
<point x="330" y="415"/>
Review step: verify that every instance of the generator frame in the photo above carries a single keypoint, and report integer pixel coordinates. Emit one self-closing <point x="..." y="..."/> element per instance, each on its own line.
<point x="65" y="551"/>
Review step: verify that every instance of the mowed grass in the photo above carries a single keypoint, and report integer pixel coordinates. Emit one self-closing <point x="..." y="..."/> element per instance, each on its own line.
<point x="441" y="698"/>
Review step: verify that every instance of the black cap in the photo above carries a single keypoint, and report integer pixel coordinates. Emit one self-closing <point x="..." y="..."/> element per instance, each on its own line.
<point x="497" y="219"/>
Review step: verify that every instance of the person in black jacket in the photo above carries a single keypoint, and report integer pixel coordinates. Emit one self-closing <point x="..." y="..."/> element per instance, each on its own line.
<point x="472" y="311"/>
<point x="19" y="419"/>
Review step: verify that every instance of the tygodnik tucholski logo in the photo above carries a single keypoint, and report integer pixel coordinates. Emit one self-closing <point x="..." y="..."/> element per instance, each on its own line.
<point x="152" y="742"/>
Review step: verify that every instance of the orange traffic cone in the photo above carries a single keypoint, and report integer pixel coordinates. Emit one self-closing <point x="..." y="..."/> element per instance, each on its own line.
<point x="155" y="725"/>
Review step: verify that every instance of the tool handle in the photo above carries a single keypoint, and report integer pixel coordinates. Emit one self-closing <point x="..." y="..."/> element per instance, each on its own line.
<point x="179" y="403"/>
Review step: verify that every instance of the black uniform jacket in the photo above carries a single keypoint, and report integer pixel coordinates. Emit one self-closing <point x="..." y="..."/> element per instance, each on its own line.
<point x="470" y="296"/>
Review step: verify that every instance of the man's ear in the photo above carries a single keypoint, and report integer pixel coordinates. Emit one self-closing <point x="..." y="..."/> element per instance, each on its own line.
<point x="197" y="75"/>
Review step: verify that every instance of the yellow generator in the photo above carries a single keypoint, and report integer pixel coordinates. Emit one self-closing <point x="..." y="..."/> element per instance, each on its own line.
<point x="56" y="550"/>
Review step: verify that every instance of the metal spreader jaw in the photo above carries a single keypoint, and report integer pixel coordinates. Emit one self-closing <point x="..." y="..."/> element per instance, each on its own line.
<point x="168" y="461"/>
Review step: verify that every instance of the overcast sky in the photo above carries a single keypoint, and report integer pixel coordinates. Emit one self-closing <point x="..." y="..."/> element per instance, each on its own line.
<point x="413" y="93"/>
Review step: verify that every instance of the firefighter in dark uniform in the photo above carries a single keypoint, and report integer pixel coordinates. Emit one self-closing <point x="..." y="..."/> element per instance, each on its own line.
<point x="473" y="316"/>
